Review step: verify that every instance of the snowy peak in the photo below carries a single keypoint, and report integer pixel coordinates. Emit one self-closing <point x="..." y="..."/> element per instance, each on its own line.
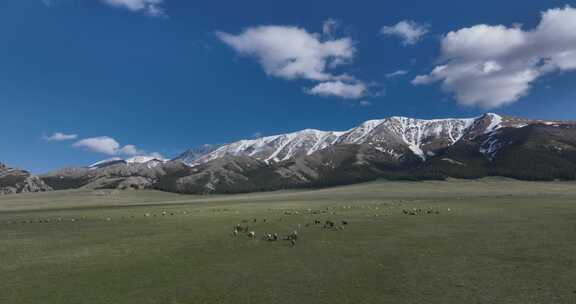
<point x="144" y="159"/>
<point x="107" y="162"/>
<point x="150" y="161"/>
<point x="422" y="137"/>
<point x="190" y="156"/>
<point x="277" y="148"/>
<point x="401" y="137"/>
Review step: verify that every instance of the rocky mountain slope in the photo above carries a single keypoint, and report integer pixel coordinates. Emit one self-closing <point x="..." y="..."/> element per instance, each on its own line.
<point x="391" y="148"/>
<point x="111" y="173"/>
<point x="19" y="181"/>
<point x="391" y="136"/>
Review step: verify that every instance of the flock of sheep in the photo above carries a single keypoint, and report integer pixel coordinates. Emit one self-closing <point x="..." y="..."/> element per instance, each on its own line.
<point x="85" y="218"/>
<point x="374" y="209"/>
<point x="291" y="237"/>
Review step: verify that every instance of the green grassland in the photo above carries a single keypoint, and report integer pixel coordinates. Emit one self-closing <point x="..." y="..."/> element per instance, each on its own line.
<point x="493" y="241"/>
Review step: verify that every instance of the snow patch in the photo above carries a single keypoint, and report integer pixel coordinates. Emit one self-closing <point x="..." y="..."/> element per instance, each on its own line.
<point x="105" y="161"/>
<point x="495" y="123"/>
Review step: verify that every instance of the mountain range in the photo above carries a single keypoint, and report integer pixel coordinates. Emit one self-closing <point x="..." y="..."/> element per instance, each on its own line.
<point x="390" y="148"/>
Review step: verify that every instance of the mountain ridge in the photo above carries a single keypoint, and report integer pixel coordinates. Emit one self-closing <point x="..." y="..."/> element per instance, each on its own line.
<point x="388" y="135"/>
<point x="395" y="148"/>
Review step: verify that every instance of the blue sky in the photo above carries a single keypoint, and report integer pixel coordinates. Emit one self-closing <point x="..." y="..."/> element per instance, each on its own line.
<point x="166" y="75"/>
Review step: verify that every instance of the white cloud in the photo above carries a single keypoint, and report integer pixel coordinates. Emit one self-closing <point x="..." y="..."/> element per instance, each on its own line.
<point x="103" y="145"/>
<point x="397" y="74"/>
<point x="365" y="103"/>
<point x="290" y="52"/>
<point x="59" y="136"/>
<point x="109" y="146"/>
<point x="329" y="28"/>
<point x="409" y="31"/>
<point x="492" y="66"/>
<point x="149" y="7"/>
<point x="339" y="89"/>
<point x="130" y="150"/>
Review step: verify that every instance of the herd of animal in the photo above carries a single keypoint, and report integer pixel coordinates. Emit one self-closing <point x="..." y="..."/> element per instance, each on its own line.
<point x="86" y="218"/>
<point x="378" y="209"/>
<point x="291" y="237"/>
<point x="420" y="211"/>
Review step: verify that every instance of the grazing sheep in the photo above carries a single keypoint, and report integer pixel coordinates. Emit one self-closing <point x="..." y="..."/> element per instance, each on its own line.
<point x="292" y="236"/>
<point x="241" y="228"/>
<point x="270" y="237"/>
<point x="329" y="224"/>
<point x="252" y="235"/>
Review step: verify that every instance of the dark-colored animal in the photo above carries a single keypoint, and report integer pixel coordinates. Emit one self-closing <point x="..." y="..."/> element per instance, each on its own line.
<point x="292" y="236"/>
<point x="241" y="228"/>
<point x="329" y="224"/>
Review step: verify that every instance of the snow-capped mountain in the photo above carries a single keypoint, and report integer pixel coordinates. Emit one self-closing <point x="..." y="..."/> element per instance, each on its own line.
<point x="422" y="137"/>
<point x="150" y="161"/>
<point x="107" y="162"/>
<point x="276" y="148"/>
<point x="391" y="148"/>
<point x="392" y="136"/>
<point x="191" y="155"/>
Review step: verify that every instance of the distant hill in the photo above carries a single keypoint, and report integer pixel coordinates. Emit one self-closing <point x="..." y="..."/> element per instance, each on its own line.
<point x="18" y="181"/>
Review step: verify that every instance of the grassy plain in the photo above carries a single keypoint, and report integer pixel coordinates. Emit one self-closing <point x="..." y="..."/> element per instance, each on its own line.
<point x="502" y="241"/>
